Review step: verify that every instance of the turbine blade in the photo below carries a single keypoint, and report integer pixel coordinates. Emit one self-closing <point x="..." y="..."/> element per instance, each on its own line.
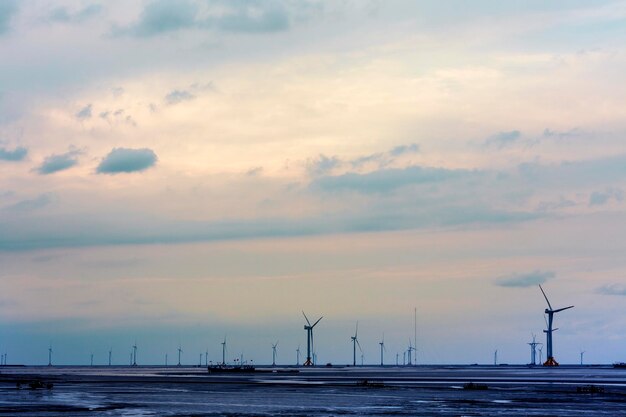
<point x="317" y="321"/>
<point x="358" y="344"/>
<point x="306" y="318"/>
<point x="564" y="308"/>
<point x="545" y="296"/>
<point x="356" y="330"/>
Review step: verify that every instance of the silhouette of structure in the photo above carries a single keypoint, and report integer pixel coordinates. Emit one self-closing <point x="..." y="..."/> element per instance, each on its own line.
<point x="180" y="350"/>
<point x="582" y="354"/>
<point x="91" y="361"/>
<point x="134" y="354"/>
<point x="410" y="352"/>
<point x="110" y="354"/>
<point x="298" y="356"/>
<point x="309" y="339"/>
<point x="224" y="351"/>
<point x="382" y="349"/>
<point x="495" y="357"/>
<point x="533" y="351"/>
<point x="355" y="342"/>
<point x="274" y="353"/>
<point x="50" y="355"/>
<point x="550" y="361"/>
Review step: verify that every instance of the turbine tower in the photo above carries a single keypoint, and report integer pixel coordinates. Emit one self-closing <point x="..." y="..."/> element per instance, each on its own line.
<point x="309" y="338"/>
<point x="355" y="342"/>
<point x="91" y="361"/>
<point x="550" y="312"/>
<point x="224" y="351"/>
<point x="382" y="348"/>
<point x="582" y="354"/>
<point x="180" y="350"/>
<point x="110" y="353"/>
<point x="50" y="355"/>
<point x="298" y="356"/>
<point x="533" y="351"/>
<point x="274" y="353"/>
<point x="410" y="351"/>
<point x="135" y="354"/>
<point x="540" y="349"/>
<point x="495" y="357"/>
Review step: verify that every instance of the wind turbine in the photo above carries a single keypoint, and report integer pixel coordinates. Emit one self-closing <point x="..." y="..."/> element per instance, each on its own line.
<point x="206" y="357"/>
<point x="180" y="350"/>
<point x="495" y="357"/>
<point x="540" y="349"/>
<point x="91" y="362"/>
<point x="224" y="351"/>
<point x="110" y="353"/>
<point x="410" y="351"/>
<point x="355" y="342"/>
<point x="135" y="354"/>
<point x="382" y="348"/>
<point x="309" y="338"/>
<point x="533" y="350"/>
<point x="550" y="312"/>
<point x="582" y="353"/>
<point x="274" y="353"/>
<point x="50" y="355"/>
<point x="298" y="356"/>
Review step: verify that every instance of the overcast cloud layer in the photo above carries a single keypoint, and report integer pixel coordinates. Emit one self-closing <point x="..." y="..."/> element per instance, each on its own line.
<point x="155" y="151"/>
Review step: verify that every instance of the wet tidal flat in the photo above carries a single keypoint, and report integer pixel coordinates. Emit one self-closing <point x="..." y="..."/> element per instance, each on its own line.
<point x="359" y="391"/>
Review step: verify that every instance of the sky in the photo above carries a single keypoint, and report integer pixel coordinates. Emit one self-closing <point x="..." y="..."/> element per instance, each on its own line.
<point x="176" y="172"/>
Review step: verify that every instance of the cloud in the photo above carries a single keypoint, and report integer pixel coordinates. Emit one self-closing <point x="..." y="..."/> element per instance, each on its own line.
<point x="16" y="154"/>
<point x="63" y="15"/>
<point x="385" y="180"/>
<point x="598" y="198"/>
<point x="322" y="165"/>
<point x="163" y="16"/>
<point x="8" y="8"/>
<point x="503" y="139"/>
<point x="253" y="172"/>
<point x="549" y="133"/>
<point x="612" y="289"/>
<point x="177" y="96"/>
<point x="127" y="160"/>
<point x="56" y="163"/>
<point x="404" y="149"/>
<point x="525" y="280"/>
<point x="29" y="204"/>
<point x="84" y="113"/>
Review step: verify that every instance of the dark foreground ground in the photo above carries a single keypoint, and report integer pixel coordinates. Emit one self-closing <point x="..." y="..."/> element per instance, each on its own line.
<point x="416" y="391"/>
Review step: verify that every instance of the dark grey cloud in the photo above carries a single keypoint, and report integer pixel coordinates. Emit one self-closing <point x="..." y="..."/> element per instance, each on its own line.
<point x="322" y="164"/>
<point x="177" y="96"/>
<point x="65" y="15"/>
<point x="8" y="9"/>
<point x="56" y="163"/>
<point x="127" y="160"/>
<point x="599" y="198"/>
<point x="386" y="180"/>
<point x="163" y="16"/>
<point x="16" y="154"/>
<point x="503" y="139"/>
<point x="84" y="113"/>
<point x="528" y="279"/>
<point x="612" y="289"/>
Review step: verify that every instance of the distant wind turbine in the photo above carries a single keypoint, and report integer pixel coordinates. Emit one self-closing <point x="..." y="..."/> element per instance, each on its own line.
<point x="180" y="350"/>
<point x="309" y="339"/>
<point x="298" y="356"/>
<point x="382" y="349"/>
<point x="274" y="353"/>
<point x="355" y="343"/>
<point x="50" y="355"/>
